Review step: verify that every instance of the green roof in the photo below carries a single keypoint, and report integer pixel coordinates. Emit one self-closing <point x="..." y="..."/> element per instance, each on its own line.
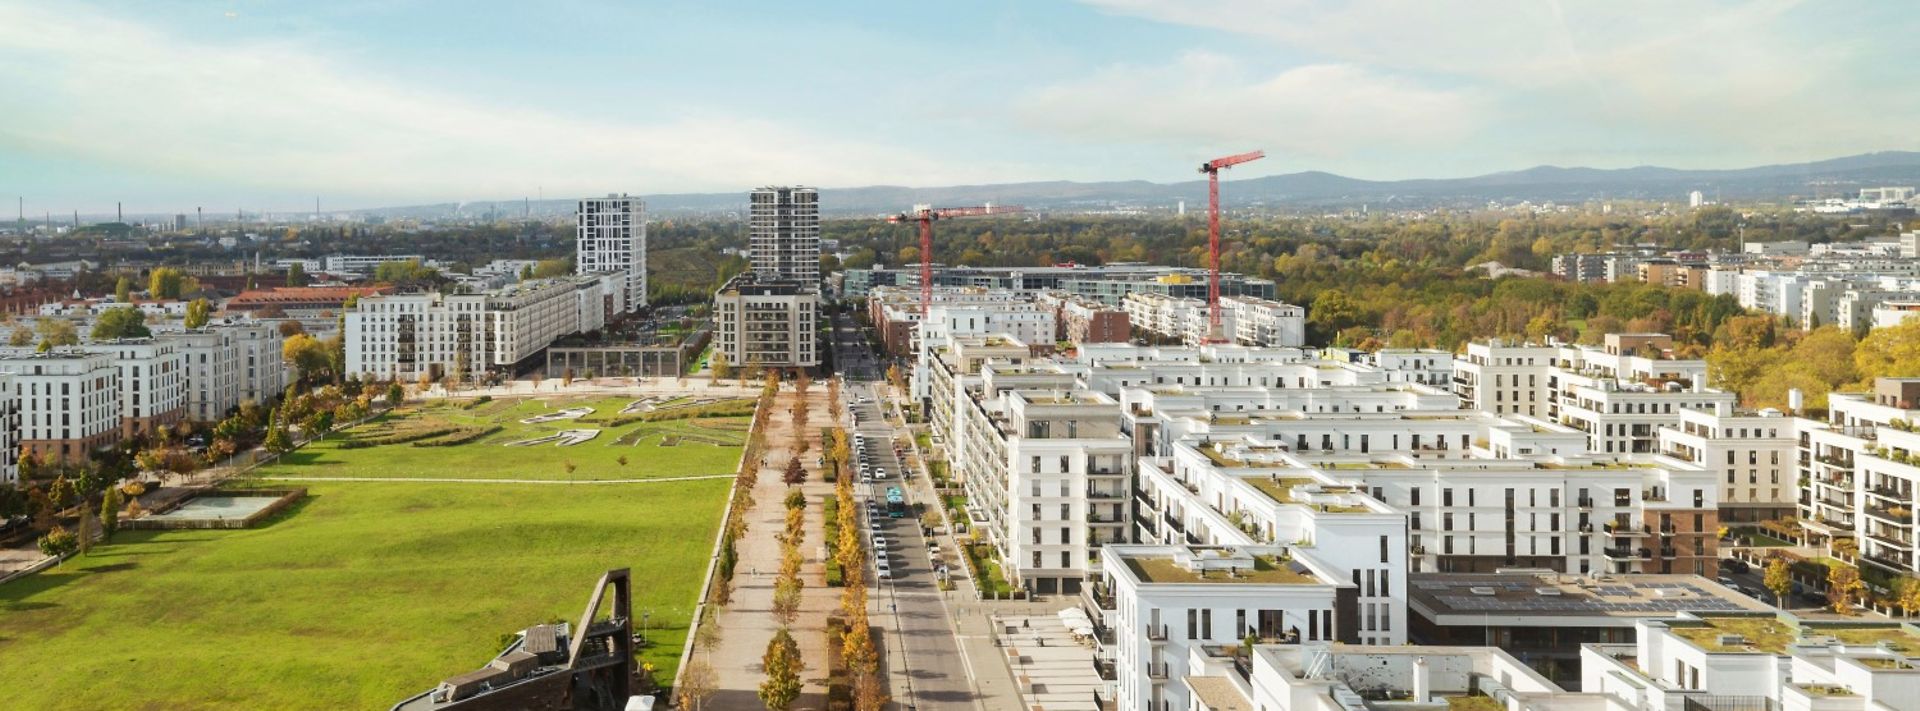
<point x="1267" y="570"/>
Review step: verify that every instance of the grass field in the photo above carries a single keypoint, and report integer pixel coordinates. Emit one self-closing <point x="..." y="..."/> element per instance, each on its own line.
<point x="696" y="447"/>
<point x="367" y="592"/>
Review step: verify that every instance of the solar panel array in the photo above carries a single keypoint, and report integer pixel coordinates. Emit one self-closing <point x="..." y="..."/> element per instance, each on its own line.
<point x="1609" y="597"/>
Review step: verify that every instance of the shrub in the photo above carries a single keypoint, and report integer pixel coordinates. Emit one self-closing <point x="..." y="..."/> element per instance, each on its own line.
<point x="462" y="436"/>
<point x="59" y="542"/>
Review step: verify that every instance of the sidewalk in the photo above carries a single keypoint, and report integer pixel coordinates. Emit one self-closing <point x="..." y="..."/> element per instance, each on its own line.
<point x="747" y="624"/>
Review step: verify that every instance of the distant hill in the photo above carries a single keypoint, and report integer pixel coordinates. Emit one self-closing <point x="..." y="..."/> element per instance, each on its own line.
<point x="1835" y="177"/>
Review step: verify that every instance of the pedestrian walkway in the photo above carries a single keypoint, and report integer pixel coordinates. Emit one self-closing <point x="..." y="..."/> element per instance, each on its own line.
<point x="746" y="624"/>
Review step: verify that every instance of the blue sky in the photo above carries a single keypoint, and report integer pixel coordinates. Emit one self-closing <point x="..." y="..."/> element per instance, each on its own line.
<point x="265" y="105"/>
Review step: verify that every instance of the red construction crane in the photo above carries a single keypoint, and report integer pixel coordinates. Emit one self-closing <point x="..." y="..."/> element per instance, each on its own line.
<point x="925" y="215"/>
<point x="1212" y="169"/>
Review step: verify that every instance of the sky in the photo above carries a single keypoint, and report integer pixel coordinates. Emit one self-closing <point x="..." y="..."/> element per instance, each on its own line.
<point x="167" y="105"/>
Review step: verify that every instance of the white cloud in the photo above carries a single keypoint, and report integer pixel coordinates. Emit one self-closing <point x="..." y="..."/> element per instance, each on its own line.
<point x="1322" y="111"/>
<point x="1727" y="81"/>
<point x="84" y="84"/>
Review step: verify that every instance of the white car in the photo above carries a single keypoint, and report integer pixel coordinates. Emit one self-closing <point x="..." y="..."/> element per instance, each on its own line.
<point x="882" y="570"/>
<point x="880" y="544"/>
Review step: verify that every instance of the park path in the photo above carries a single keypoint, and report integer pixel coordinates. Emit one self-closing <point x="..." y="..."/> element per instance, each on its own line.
<point x="416" y="479"/>
<point x="747" y="624"/>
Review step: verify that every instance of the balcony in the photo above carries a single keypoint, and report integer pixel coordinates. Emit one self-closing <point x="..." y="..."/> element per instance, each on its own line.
<point x="1895" y="541"/>
<point x="1418" y="550"/>
<point x="1584" y="502"/>
<point x="1157" y="633"/>
<point x="1886" y="492"/>
<point x="1898" y="514"/>
<point x="1619" y="530"/>
<point x="1098" y="494"/>
<point x="1174" y="523"/>
<point x="1586" y="528"/>
<point x="1157" y="671"/>
<point x="1098" y="596"/>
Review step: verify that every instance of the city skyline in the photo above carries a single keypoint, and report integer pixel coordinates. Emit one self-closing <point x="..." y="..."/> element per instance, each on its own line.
<point x="171" y="104"/>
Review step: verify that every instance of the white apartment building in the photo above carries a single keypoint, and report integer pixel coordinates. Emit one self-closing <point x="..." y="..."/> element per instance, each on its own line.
<point x="1047" y="473"/>
<point x="1717" y="661"/>
<point x="1270" y="323"/>
<point x="611" y="236"/>
<point x="367" y="263"/>
<point x="1319" y="677"/>
<point x="68" y="402"/>
<point x="1265" y="322"/>
<point x="404" y="336"/>
<point x="153" y="381"/>
<point x="1023" y="321"/>
<point x="1751" y="455"/>
<point x="1620" y="394"/>
<point x="767" y="324"/>
<point x="783" y="233"/>
<point x="1165" y="603"/>
<point x="1861" y="472"/>
<point x="263" y="369"/>
<point x="212" y="358"/>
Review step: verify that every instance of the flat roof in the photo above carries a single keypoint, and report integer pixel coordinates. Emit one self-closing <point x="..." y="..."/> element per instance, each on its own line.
<point x="1545" y="599"/>
<point x="1267" y="570"/>
<point x="1216" y="693"/>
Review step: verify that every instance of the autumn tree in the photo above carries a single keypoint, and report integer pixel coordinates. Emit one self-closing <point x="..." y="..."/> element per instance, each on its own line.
<point x="123" y="291"/>
<point x="307" y="354"/>
<point x="698" y="682"/>
<point x="165" y="283"/>
<point x="199" y="313"/>
<point x="783" y="667"/>
<point x="1779" y="580"/>
<point x="55" y="332"/>
<point x="122" y="322"/>
<point x="1843" y="585"/>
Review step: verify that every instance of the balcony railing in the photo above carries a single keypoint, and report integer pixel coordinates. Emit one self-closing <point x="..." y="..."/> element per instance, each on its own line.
<point x="1157" y="633"/>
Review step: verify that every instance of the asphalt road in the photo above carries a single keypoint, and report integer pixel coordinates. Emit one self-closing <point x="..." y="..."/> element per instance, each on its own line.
<point x="922" y="641"/>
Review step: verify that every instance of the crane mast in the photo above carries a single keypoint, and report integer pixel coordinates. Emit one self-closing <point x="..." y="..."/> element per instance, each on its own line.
<point x="1212" y="168"/>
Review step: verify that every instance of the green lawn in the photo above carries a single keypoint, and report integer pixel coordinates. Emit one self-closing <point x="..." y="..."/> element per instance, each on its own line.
<point x="362" y="594"/>
<point x="692" y="447"/>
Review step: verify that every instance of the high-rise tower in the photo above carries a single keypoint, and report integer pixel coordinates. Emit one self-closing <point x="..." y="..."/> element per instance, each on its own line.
<point x="784" y="233"/>
<point x="611" y="235"/>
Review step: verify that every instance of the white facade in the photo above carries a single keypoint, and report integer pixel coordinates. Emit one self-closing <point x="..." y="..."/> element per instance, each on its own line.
<point x="1169" y="601"/>
<point x="152" y="376"/>
<point x="68" y="400"/>
<point x="611" y="236"/>
<point x="406" y="335"/>
<point x="1264" y="322"/>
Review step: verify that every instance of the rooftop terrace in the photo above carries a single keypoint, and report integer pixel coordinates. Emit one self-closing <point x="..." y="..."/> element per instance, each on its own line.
<point x="1267" y="570"/>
